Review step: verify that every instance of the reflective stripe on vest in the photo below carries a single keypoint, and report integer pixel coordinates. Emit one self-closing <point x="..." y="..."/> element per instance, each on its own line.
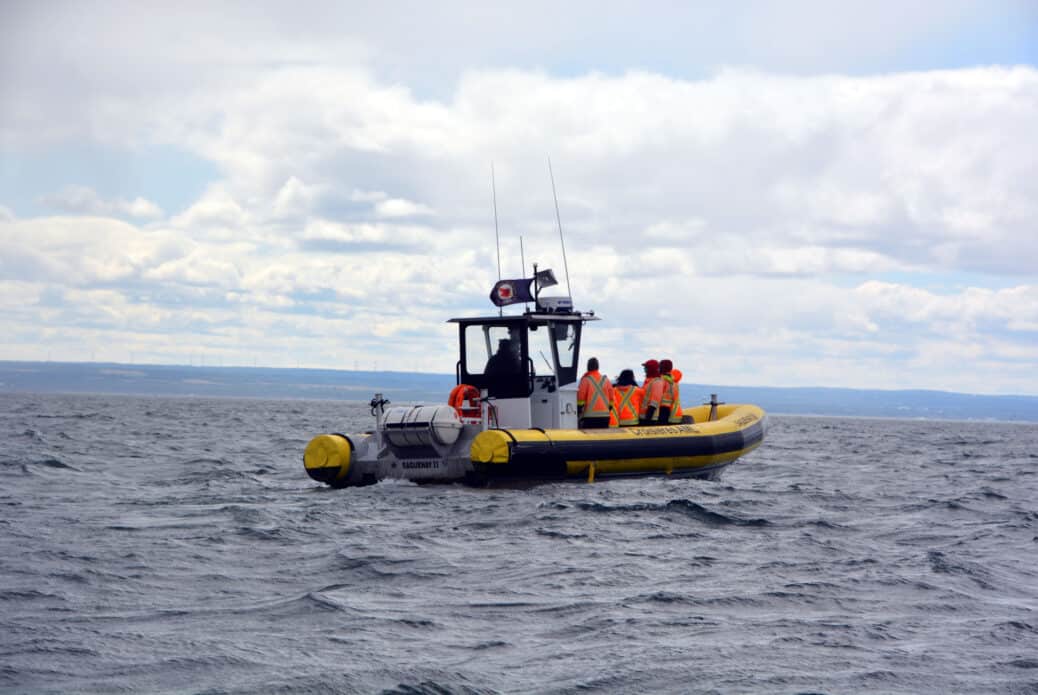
<point x="626" y="413"/>
<point x="652" y="395"/>
<point x="667" y="399"/>
<point x="672" y="399"/>
<point x="598" y="401"/>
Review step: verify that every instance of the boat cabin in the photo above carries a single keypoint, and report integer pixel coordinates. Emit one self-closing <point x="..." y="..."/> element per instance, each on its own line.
<point x="527" y="366"/>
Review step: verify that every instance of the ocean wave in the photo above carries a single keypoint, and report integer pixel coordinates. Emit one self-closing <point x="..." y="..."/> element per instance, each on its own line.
<point x="683" y="507"/>
<point x="49" y="462"/>
<point x="161" y="552"/>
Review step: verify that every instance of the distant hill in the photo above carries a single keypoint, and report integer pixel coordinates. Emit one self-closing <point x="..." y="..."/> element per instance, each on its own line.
<point x="409" y="387"/>
<point x="232" y="382"/>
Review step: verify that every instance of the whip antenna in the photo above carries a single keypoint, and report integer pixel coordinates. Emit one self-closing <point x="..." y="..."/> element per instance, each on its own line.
<point x="522" y="254"/>
<point x="497" y="235"/>
<point x="522" y="259"/>
<point x="558" y="219"/>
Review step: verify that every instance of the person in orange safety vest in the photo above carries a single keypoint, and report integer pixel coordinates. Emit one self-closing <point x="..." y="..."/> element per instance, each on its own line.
<point x="627" y="400"/>
<point x="594" y="398"/>
<point x="686" y="418"/>
<point x="670" y="401"/>
<point x="653" y="388"/>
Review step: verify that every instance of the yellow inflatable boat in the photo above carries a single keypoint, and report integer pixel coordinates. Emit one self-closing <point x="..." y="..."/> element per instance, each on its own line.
<point x="698" y="450"/>
<point x="520" y="422"/>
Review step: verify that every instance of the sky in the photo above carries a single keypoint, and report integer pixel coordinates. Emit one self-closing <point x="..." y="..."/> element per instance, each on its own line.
<point x="802" y="193"/>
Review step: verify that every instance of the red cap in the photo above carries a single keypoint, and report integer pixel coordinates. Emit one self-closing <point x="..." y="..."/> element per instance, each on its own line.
<point x="652" y="367"/>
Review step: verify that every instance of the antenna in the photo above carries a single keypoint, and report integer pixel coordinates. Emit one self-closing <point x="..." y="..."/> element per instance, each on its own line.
<point x="558" y="219"/>
<point x="497" y="235"/>
<point x="522" y="258"/>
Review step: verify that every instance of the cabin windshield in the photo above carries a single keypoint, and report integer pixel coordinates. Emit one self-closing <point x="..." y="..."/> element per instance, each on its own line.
<point x="565" y="338"/>
<point x="504" y="354"/>
<point x="541" y="350"/>
<point x="495" y="357"/>
<point x="483" y="342"/>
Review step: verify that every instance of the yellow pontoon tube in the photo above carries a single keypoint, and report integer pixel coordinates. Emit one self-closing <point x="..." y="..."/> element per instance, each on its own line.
<point x="699" y="450"/>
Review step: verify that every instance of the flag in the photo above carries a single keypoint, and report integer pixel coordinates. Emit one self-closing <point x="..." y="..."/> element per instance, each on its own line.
<point x="545" y="278"/>
<point x="507" y="292"/>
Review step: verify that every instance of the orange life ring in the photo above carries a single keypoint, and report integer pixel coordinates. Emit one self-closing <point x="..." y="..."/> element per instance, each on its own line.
<point x="465" y="398"/>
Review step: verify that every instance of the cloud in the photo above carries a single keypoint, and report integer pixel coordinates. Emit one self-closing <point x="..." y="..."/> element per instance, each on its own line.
<point x="294" y="199"/>
<point x="760" y="227"/>
<point x="217" y="214"/>
<point x="83" y="200"/>
<point x="323" y="235"/>
<point x="972" y="311"/>
<point x="76" y="250"/>
<point x="426" y="48"/>
<point x="398" y="207"/>
<point x="197" y="268"/>
<point x="844" y="161"/>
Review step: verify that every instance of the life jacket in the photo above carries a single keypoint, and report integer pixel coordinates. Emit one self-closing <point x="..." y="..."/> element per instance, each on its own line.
<point x="627" y="402"/>
<point x="594" y="395"/>
<point x="653" y="395"/>
<point x="671" y="398"/>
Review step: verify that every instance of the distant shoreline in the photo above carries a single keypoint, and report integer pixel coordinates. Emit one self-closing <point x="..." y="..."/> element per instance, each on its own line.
<point x="276" y="383"/>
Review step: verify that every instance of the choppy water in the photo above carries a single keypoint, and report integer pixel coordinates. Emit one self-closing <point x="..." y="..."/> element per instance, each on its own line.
<point x="176" y="545"/>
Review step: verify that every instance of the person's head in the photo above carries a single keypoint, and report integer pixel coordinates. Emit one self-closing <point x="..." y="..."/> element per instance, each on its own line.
<point x="666" y="366"/>
<point x="652" y="368"/>
<point x="592" y="364"/>
<point x="504" y="345"/>
<point x="626" y="378"/>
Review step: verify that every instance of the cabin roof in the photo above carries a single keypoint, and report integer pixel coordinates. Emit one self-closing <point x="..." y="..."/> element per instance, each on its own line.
<point x="534" y="318"/>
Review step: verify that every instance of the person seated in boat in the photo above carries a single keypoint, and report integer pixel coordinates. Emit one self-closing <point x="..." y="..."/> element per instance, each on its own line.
<point x="670" y="400"/>
<point x="594" y="398"/>
<point x="686" y="418"/>
<point x="505" y="361"/>
<point x="652" y="395"/>
<point x="627" y="400"/>
<point x="651" y="369"/>
<point x="504" y="370"/>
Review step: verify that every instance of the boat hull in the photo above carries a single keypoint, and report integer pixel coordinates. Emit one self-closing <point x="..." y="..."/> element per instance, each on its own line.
<point x="697" y="450"/>
<point x="700" y="449"/>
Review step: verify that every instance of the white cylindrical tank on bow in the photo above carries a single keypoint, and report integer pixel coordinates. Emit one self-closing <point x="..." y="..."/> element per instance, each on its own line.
<point x="422" y="425"/>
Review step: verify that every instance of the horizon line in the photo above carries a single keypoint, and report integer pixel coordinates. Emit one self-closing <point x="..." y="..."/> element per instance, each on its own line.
<point x="447" y="374"/>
